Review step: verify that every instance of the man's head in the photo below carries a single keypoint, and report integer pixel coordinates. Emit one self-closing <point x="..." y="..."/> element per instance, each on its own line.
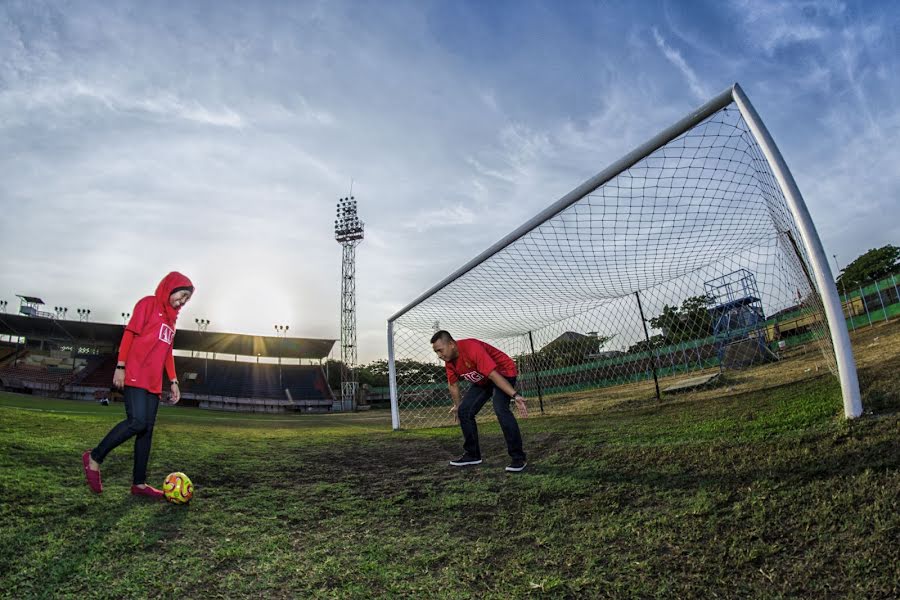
<point x="444" y="346"/>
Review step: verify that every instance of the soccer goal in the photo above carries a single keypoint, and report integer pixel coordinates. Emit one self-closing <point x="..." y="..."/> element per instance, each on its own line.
<point x="692" y="263"/>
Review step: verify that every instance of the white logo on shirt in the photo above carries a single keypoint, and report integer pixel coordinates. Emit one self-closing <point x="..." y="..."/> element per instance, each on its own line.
<point x="472" y="376"/>
<point x="166" y="334"/>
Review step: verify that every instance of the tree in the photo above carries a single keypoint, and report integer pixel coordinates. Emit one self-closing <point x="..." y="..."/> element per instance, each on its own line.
<point x="655" y="341"/>
<point x="333" y="368"/>
<point x="370" y="374"/>
<point x="690" y="322"/>
<point x="571" y="348"/>
<point x="420" y="372"/>
<point x="874" y="264"/>
<point x="376" y="373"/>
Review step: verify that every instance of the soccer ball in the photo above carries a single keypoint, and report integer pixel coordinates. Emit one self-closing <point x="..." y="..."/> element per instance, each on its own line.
<point x="178" y="489"/>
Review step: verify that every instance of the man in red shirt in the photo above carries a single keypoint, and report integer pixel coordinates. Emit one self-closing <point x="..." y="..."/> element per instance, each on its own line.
<point x="492" y="375"/>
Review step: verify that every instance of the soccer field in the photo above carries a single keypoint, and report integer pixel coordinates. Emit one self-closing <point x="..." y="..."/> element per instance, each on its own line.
<point x="751" y="495"/>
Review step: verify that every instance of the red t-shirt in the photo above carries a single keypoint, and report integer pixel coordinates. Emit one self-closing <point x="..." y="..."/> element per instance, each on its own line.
<point x="475" y="362"/>
<point x="151" y="346"/>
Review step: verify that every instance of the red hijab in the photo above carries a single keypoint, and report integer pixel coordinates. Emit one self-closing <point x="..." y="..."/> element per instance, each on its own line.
<point x="169" y="284"/>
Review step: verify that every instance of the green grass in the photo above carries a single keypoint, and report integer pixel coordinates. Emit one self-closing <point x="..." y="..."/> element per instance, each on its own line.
<point x="767" y="495"/>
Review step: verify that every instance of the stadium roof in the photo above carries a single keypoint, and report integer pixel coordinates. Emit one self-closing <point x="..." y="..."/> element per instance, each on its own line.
<point x="109" y="334"/>
<point x="30" y="299"/>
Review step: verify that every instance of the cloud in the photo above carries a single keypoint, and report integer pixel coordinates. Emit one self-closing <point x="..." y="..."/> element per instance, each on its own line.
<point x="779" y="34"/>
<point x="442" y="217"/>
<point x="774" y="25"/>
<point x="675" y="57"/>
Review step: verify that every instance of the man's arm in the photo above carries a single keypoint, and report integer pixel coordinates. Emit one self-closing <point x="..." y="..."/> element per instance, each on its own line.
<point x="501" y="382"/>
<point x="454" y="395"/>
<point x="454" y="392"/>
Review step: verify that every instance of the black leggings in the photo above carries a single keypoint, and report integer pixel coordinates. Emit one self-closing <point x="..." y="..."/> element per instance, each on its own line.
<point x="140" y="406"/>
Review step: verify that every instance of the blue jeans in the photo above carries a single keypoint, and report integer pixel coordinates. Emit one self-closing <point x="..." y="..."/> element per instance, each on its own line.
<point x="140" y="408"/>
<point x="474" y="399"/>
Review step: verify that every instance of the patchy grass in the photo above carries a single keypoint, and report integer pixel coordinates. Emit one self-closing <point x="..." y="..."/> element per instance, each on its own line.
<point x="740" y="494"/>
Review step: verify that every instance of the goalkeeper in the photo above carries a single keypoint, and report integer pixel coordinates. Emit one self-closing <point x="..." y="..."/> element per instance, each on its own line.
<point x="492" y="375"/>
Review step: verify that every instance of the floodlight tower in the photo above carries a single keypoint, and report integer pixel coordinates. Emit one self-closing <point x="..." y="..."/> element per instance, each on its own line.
<point x="348" y="231"/>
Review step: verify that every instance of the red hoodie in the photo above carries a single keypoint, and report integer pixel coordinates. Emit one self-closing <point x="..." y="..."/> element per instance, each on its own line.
<point x="147" y="343"/>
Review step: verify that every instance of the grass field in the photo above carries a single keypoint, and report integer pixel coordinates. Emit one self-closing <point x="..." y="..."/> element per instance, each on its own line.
<point x="764" y="495"/>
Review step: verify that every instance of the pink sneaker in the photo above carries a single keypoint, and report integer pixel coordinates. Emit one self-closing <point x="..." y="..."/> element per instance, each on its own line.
<point x="93" y="477"/>
<point x="149" y="491"/>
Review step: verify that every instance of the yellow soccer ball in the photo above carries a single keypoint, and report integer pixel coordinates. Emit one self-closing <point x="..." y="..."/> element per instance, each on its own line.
<point x="178" y="489"/>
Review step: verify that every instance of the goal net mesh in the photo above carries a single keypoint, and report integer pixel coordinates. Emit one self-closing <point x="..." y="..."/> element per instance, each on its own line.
<point x="686" y="271"/>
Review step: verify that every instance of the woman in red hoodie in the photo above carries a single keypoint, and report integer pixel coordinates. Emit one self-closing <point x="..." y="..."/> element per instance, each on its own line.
<point x="145" y="350"/>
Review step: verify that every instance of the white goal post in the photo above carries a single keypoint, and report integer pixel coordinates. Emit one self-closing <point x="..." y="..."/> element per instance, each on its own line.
<point x="700" y="236"/>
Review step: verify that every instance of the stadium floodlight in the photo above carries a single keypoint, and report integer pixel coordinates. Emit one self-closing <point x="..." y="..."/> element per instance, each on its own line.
<point x="125" y="317"/>
<point x="702" y="228"/>
<point x="349" y="231"/>
<point x="347" y="226"/>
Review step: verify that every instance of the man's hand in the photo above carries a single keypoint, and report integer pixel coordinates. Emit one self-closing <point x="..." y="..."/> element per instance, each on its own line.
<point x="176" y="394"/>
<point x="521" y="406"/>
<point x="119" y="379"/>
<point x="454" y="397"/>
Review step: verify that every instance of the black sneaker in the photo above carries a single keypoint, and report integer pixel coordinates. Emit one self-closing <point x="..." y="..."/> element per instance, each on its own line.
<point x="465" y="460"/>
<point x="517" y="465"/>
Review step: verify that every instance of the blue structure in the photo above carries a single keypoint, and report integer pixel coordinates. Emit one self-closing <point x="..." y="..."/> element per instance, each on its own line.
<point x="737" y="319"/>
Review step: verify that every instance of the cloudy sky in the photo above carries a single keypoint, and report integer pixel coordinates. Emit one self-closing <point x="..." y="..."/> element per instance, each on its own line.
<point x="214" y="138"/>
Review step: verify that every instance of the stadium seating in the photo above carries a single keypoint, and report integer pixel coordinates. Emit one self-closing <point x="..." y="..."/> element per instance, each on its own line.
<point x="32" y="371"/>
<point x="215" y="384"/>
<point x="98" y="372"/>
<point x="230" y="385"/>
<point x="6" y="353"/>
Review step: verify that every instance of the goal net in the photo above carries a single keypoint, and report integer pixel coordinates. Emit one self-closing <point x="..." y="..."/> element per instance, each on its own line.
<point x="690" y="266"/>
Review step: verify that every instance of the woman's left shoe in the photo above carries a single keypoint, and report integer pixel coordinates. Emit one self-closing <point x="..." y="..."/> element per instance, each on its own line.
<point x="149" y="491"/>
<point x="92" y="476"/>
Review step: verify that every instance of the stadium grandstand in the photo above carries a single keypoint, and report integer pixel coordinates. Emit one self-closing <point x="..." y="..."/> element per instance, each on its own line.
<point x="43" y="354"/>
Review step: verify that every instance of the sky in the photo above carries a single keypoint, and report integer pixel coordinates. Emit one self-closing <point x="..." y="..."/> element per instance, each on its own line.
<point x="215" y="138"/>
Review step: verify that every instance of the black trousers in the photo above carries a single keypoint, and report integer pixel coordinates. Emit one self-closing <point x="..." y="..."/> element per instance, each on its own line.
<point x="475" y="398"/>
<point x="140" y="408"/>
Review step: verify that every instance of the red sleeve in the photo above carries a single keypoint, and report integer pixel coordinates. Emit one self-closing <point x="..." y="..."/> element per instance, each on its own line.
<point x="484" y="364"/>
<point x="125" y="345"/>
<point x="170" y="365"/>
<point x="138" y="316"/>
<point x="451" y="374"/>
